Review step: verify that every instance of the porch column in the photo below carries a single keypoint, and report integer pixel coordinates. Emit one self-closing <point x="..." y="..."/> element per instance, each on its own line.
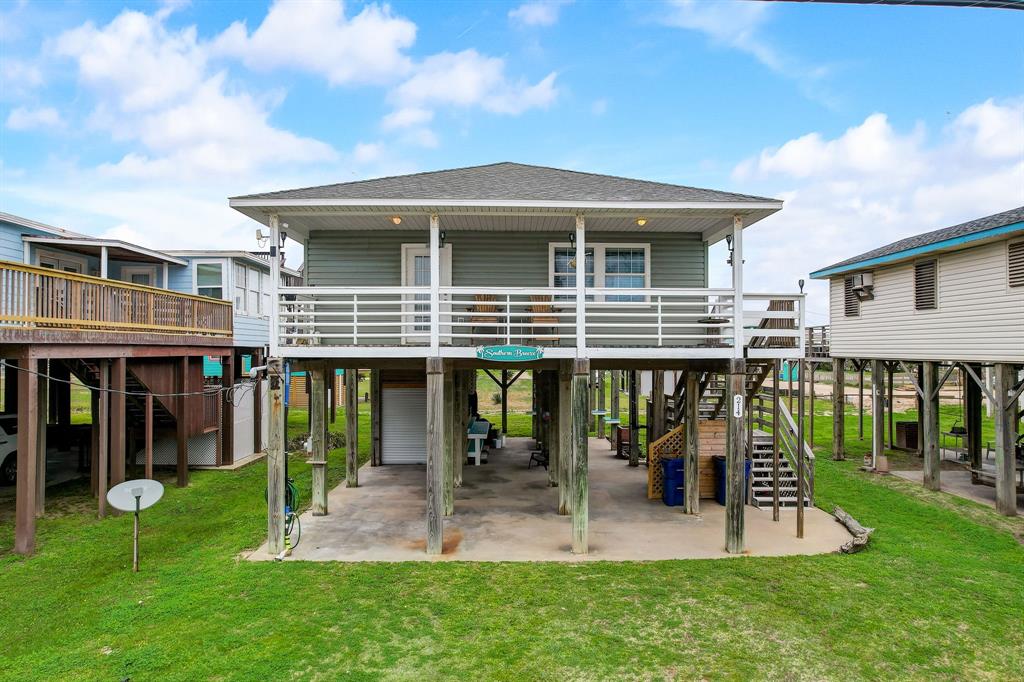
<point x="28" y="451"/>
<point x="600" y="403"/>
<point x="581" y="287"/>
<point x="691" y="477"/>
<point x="435" y="454"/>
<point x="634" y="420"/>
<point x="564" y="436"/>
<point x="838" y="409"/>
<point x="930" y="425"/>
<point x="616" y="383"/>
<point x="118" y="385"/>
<point x="737" y="285"/>
<point x="43" y="390"/>
<point x="275" y="284"/>
<point x="877" y="412"/>
<point x="351" y="427"/>
<point x="447" y="463"/>
<point x="656" y="429"/>
<point x="181" y="419"/>
<point x="103" y="262"/>
<point x="167" y="278"/>
<point x="375" y="434"/>
<point x="103" y="451"/>
<point x="735" y="486"/>
<point x="276" y="462"/>
<point x="435" y="284"/>
<point x="318" y="440"/>
<point x="580" y="454"/>
<point x="1005" y="412"/>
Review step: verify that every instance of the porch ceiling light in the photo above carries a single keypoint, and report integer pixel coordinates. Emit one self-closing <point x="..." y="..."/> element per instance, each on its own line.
<point x="641" y="221"/>
<point x="396" y="219"/>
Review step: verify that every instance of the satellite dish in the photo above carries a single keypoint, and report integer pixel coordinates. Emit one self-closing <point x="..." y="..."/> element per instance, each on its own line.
<point x="134" y="496"/>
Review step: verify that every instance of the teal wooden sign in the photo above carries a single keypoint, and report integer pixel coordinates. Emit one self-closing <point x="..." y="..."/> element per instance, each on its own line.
<point x="509" y="353"/>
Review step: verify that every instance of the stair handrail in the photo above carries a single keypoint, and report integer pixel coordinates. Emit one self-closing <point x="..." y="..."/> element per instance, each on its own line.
<point x="787" y="441"/>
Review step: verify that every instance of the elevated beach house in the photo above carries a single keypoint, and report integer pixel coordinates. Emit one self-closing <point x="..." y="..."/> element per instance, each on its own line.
<point x="425" y="278"/>
<point x="950" y="300"/>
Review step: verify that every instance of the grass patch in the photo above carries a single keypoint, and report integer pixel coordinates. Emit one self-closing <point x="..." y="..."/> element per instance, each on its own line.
<point x="939" y="593"/>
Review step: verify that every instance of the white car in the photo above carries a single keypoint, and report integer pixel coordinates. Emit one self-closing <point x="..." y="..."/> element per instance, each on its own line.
<point x="8" y="449"/>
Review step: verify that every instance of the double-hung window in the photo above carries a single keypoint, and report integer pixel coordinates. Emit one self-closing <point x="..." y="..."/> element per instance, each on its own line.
<point x="608" y="266"/>
<point x="264" y="293"/>
<point x="210" y="279"/>
<point x="240" y="286"/>
<point x="252" y="292"/>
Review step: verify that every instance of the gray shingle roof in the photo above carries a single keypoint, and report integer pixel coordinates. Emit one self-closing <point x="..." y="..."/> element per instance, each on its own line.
<point x="1014" y="215"/>
<point x="507" y="181"/>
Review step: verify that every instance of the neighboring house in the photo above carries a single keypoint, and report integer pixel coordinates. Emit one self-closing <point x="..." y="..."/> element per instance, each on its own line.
<point x="943" y="300"/>
<point x="110" y="314"/>
<point x="241" y="277"/>
<point x="423" y="278"/>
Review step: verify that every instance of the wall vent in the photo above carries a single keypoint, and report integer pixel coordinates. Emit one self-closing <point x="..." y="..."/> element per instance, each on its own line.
<point x="925" y="285"/>
<point x="1015" y="263"/>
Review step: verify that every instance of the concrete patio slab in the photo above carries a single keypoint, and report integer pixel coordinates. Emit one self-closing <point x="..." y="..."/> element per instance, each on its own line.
<point x="506" y="512"/>
<point x="959" y="483"/>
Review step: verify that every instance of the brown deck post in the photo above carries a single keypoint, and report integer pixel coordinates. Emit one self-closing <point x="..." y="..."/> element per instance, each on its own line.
<point x="42" y="410"/>
<point x="801" y="476"/>
<point x="351" y="427"/>
<point x="504" y="401"/>
<point x="118" y="385"/>
<point x="564" y="436"/>
<point x="930" y="425"/>
<point x="735" y="486"/>
<point x="891" y="400"/>
<point x="657" y="428"/>
<point x="972" y="418"/>
<point x="838" y="409"/>
<point x="448" y="440"/>
<point x="94" y="442"/>
<point x="549" y="381"/>
<point x="458" y="431"/>
<point x="860" y="397"/>
<point x="600" y="403"/>
<point x="877" y="412"/>
<point x="103" y="456"/>
<point x="182" y="425"/>
<point x="435" y="454"/>
<point x="148" y="428"/>
<point x="691" y="477"/>
<point x="634" y="420"/>
<point x="375" y="395"/>
<point x="535" y="402"/>
<point x="776" y="425"/>
<point x="1005" y="413"/>
<point x="318" y="440"/>
<point x="580" y="454"/>
<point x="28" y="452"/>
<point x="616" y="384"/>
<point x="227" y="421"/>
<point x="276" y="458"/>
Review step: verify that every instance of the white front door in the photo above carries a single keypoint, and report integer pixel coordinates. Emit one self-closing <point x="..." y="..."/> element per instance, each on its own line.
<point x="62" y="264"/>
<point x="139" y="275"/>
<point x="416" y="273"/>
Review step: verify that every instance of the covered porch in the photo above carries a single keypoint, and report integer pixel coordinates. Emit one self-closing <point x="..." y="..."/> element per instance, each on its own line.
<point x="505" y="511"/>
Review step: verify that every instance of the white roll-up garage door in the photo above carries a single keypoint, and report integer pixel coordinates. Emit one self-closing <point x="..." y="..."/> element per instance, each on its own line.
<point x="403" y="425"/>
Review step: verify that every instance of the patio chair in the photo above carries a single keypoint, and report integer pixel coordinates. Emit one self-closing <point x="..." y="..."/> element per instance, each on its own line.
<point x="483" y="316"/>
<point x="539" y="457"/>
<point x="622" y="444"/>
<point x="542" y="313"/>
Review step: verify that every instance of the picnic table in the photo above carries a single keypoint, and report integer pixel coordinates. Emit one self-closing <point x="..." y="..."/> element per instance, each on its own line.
<point x="477" y="434"/>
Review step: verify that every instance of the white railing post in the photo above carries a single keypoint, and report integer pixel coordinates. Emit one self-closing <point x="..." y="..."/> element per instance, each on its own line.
<point x="275" y="285"/>
<point x="801" y="301"/>
<point x="435" y="284"/>
<point x="737" y="285"/>
<point x="355" y="319"/>
<point x="581" y="288"/>
<point x="659" y="321"/>
<point x="508" y="319"/>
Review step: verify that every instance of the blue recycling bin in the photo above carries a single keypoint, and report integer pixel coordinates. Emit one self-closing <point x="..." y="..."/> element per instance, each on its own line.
<point x="719" y="464"/>
<point x="672" y="482"/>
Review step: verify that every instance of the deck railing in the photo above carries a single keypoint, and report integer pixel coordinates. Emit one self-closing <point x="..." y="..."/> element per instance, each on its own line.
<point x="471" y="316"/>
<point x="40" y="298"/>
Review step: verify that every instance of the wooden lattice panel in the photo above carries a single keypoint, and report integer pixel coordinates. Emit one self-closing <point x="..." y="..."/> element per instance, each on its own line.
<point x="711" y="441"/>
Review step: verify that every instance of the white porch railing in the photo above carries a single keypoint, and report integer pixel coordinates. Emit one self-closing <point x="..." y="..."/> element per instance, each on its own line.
<point x="694" y="321"/>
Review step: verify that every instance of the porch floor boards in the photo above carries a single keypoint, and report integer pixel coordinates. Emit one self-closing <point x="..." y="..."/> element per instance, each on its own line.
<point x="506" y="512"/>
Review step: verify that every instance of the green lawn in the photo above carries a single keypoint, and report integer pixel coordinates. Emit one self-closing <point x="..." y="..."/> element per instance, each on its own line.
<point x="938" y="594"/>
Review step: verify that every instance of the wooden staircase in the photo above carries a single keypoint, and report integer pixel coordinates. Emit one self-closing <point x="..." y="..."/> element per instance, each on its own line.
<point x="761" y="471"/>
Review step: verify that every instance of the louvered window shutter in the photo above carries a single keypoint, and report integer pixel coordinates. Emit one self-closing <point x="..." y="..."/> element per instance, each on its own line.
<point x="1015" y="263"/>
<point x="851" y="303"/>
<point x="925" y="293"/>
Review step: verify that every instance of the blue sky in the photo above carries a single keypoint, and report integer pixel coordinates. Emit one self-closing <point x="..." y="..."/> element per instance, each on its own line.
<point x="137" y="120"/>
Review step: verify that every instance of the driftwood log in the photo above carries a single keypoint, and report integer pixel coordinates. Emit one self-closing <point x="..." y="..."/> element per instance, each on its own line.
<point x="861" y="535"/>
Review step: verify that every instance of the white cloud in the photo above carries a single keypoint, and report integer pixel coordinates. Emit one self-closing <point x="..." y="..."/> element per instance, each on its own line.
<point x="537" y="13"/>
<point x="406" y="118"/>
<point x="874" y="184"/>
<point x="317" y="37"/>
<point x="22" y="118"/>
<point x="366" y="152"/>
<point x="468" y="78"/>
<point x="19" y="76"/>
<point x="599" y="106"/>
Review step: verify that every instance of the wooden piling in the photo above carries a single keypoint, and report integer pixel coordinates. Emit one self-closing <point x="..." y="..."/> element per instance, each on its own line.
<point x="600" y="403"/>
<point x="564" y="436"/>
<point x="181" y="422"/>
<point x="614" y="390"/>
<point x="776" y="452"/>
<point x="351" y="427"/>
<point x="657" y="428"/>
<point x="580" y="455"/>
<point x="930" y="425"/>
<point x="448" y="443"/>
<point x="691" y="477"/>
<point x="877" y="412"/>
<point x="860" y="399"/>
<point x="735" y="486"/>
<point x="276" y="462"/>
<point x="634" y="419"/>
<point x="435" y="455"/>
<point x="1005" y="412"/>
<point x="118" y="419"/>
<point x="148" y="426"/>
<point x="42" y="409"/>
<point x="838" y="409"/>
<point x="103" y="458"/>
<point x="801" y="476"/>
<point x="27" y="471"/>
<point x="318" y="440"/>
<point x="375" y="406"/>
